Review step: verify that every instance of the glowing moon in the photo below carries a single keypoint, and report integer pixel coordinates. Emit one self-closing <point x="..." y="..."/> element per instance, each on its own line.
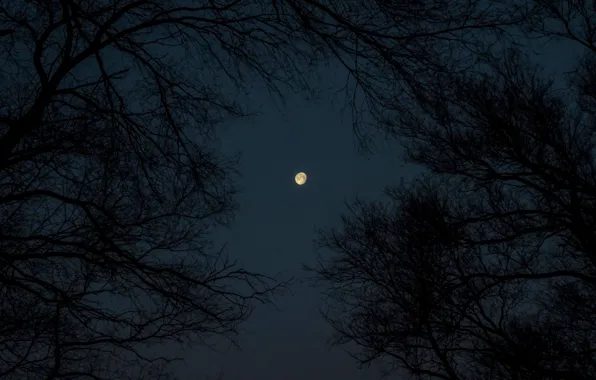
<point x="300" y="178"/>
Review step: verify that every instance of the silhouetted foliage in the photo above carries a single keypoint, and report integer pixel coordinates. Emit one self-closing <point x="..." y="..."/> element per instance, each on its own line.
<point x="109" y="185"/>
<point x="484" y="267"/>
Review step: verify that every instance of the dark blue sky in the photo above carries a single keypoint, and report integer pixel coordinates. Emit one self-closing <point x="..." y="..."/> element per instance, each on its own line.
<point x="273" y="229"/>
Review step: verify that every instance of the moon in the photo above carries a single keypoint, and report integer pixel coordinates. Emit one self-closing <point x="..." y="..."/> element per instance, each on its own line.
<point x="300" y="178"/>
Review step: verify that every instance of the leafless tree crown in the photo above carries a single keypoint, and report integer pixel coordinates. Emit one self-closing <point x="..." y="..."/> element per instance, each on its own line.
<point x="109" y="183"/>
<point x="484" y="267"/>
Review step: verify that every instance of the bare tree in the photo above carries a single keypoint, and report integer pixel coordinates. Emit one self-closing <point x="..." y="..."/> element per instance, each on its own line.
<point x="395" y="51"/>
<point x="485" y="268"/>
<point x="109" y="185"/>
<point x="571" y="21"/>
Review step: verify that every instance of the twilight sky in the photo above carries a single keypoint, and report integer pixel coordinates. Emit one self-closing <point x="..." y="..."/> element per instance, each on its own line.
<point x="273" y="229"/>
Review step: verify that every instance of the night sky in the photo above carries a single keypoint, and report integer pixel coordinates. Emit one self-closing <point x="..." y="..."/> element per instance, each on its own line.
<point x="273" y="229"/>
<point x="274" y="226"/>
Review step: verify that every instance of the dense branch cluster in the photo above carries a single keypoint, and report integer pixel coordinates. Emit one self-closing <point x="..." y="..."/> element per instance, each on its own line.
<point x="109" y="183"/>
<point x="484" y="267"/>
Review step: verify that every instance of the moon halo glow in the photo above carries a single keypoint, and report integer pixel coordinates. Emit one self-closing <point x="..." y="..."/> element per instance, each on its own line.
<point x="300" y="178"/>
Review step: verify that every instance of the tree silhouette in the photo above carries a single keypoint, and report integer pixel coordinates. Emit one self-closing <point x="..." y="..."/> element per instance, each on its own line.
<point x="109" y="185"/>
<point x="483" y="268"/>
<point x="393" y="51"/>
